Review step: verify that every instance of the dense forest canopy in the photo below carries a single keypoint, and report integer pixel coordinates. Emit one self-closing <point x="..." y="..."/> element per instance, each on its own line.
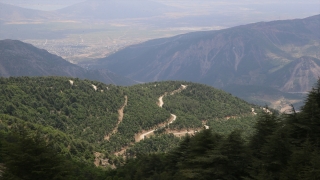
<point x="93" y="122"/>
<point x="284" y="146"/>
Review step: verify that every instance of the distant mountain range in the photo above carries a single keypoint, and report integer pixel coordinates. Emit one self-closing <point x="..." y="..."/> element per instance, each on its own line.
<point x="15" y="13"/>
<point x="88" y="10"/>
<point x="114" y="9"/>
<point x="283" y="55"/>
<point x="21" y="59"/>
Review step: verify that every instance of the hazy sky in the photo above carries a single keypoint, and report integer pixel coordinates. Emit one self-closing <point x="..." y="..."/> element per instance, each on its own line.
<point x="42" y="4"/>
<point x="57" y="4"/>
<point x="264" y="10"/>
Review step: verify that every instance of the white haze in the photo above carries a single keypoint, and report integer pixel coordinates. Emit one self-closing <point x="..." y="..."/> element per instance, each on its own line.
<point x="272" y="9"/>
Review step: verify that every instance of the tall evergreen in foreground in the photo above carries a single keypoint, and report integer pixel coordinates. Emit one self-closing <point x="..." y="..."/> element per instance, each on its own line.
<point x="28" y="156"/>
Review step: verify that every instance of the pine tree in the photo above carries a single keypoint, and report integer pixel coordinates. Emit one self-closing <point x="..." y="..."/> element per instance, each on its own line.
<point x="28" y="156"/>
<point x="304" y="163"/>
<point x="237" y="157"/>
<point x="306" y="124"/>
<point x="198" y="164"/>
<point x="178" y="155"/>
<point x="275" y="155"/>
<point x="266" y="125"/>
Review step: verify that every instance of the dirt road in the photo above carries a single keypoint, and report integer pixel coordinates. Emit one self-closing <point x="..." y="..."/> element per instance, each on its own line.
<point x="120" y="117"/>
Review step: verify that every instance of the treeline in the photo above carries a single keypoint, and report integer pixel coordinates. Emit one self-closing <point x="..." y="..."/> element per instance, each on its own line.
<point x="26" y="155"/>
<point x="282" y="148"/>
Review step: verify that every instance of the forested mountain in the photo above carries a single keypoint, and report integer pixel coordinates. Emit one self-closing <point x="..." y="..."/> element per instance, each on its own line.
<point x="282" y="147"/>
<point x="89" y="121"/>
<point x="22" y="59"/>
<point x="284" y="55"/>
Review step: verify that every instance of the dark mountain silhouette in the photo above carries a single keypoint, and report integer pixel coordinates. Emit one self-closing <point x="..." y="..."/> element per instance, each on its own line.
<point x="21" y="59"/>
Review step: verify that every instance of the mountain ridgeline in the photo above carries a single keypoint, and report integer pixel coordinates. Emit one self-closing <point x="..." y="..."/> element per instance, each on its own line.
<point x="284" y="55"/>
<point x="88" y="10"/>
<point x="15" y="13"/>
<point x="22" y="59"/>
<point x="92" y="122"/>
<point x="248" y="55"/>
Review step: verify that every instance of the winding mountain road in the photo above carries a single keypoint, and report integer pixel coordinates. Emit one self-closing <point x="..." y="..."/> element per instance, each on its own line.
<point x="161" y="101"/>
<point x="142" y="136"/>
<point x="120" y="117"/>
<point x="173" y="117"/>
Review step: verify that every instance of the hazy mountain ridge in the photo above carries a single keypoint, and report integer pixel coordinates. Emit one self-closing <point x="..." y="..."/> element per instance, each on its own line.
<point x="241" y="55"/>
<point x="87" y="10"/>
<point x="21" y="59"/>
<point x="254" y="54"/>
<point x="112" y="9"/>
<point x="14" y="13"/>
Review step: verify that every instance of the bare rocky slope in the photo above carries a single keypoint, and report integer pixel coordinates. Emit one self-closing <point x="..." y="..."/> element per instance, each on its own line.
<point x="21" y="59"/>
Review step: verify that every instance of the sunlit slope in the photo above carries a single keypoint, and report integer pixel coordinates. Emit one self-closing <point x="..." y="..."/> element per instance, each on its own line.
<point x="87" y="117"/>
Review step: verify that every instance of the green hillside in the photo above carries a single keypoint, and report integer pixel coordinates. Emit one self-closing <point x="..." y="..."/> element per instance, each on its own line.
<point x="282" y="147"/>
<point x="93" y="122"/>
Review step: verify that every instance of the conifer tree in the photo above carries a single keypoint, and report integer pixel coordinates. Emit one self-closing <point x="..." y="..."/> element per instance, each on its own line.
<point x="28" y="156"/>
<point x="306" y="124"/>
<point x="266" y="125"/>
<point x="237" y="158"/>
